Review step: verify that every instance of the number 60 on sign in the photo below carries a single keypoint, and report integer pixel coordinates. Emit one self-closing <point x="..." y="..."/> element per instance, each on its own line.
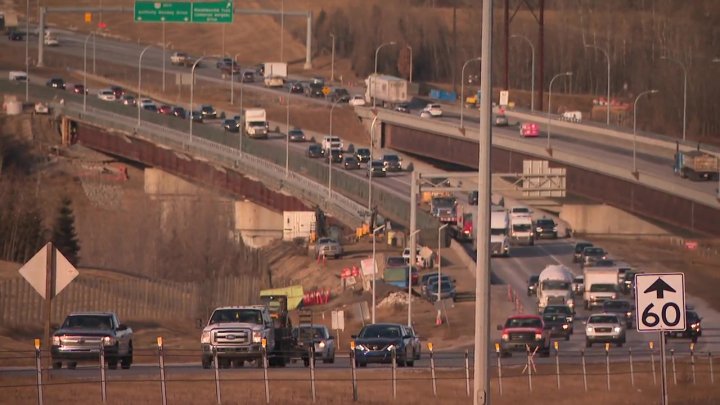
<point x="660" y="302"/>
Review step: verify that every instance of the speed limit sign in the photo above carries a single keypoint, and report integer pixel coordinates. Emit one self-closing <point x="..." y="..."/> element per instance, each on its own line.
<point x="660" y="302"/>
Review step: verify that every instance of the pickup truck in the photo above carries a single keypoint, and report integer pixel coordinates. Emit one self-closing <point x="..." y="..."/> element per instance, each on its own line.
<point x="82" y="334"/>
<point x="236" y="334"/>
<point x="181" y="59"/>
<point x="524" y="333"/>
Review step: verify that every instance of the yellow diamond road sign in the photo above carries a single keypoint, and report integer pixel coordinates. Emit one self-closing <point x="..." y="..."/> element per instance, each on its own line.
<point x="34" y="271"/>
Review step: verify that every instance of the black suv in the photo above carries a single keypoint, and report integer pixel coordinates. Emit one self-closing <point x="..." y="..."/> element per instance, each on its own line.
<point x="315" y="150"/>
<point x="532" y="285"/>
<point x="314" y="90"/>
<point x="56" y="83"/>
<point x="339" y="94"/>
<point x="579" y="246"/>
<point x="693" y="329"/>
<point x="546" y="228"/>
<point x="363" y="155"/>
<point x="208" y="111"/>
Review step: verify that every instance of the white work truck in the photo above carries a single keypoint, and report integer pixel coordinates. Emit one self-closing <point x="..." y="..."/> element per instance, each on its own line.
<point x="601" y="284"/>
<point x="555" y="287"/>
<point x="256" y="125"/>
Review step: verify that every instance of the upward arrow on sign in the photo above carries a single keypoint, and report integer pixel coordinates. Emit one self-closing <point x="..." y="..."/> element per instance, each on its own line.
<point x="659" y="286"/>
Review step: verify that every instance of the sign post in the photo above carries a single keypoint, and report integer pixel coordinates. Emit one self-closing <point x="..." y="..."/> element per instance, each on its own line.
<point x="660" y="307"/>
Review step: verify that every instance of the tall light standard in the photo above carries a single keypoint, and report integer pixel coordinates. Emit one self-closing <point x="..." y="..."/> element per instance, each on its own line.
<point x="684" y="68"/>
<point x="332" y="59"/>
<point x="550" y="106"/>
<point x="440" y="258"/>
<point x="27" y="51"/>
<point x="532" y="69"/>
<point x="232" y="80"/>
<point x="85" y="90"/>
<point x="462" y="87"/>
<point x="287" y="134"/>
<point x="282" y="29"/>
<point x="411" y="61"/>
<point x="332" y="108"/>
<point x="140" y="82"/>
<point x="374" y="276"/>
<point x="607" y="56"/>
<point x="411" y="262"/>
<point x="370" y="170"/>
<point x="376" y="63"/>
<point x="192" y="91"/>
<point x="635" y="171"/>
<point x="163" y="56"/>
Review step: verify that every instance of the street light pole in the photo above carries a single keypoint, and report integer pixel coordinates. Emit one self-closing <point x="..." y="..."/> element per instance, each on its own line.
<point x="332" y="60"/>
<point x="607" y="55"/>
<point x="532" y="70"/>
<point x="27" y="51"/>
<point x="635" y="171"/>
<point x="411" y="262"/>
<point x="376" y="67"/>
<point x="375" y="231"/>
<point x="549" y="148"/>
<point x="232" y="81"/>
<point x="287" y="135"/>
<point x="440" y="259"/>
<point x="332" y="108"/>
<point x="85" y="90"/>
<point x="370" y="170"/>
<point x="192" y="92"/>
<point x="684" y="68"/>
<point x="163" y="56"/>
<point x="462" y="87"/>
<point x="411" y="62"/>
<point x="282" y="29"/>
<point x="140" y="82"/>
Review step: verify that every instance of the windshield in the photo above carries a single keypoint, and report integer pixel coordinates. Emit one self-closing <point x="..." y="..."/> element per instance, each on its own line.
<point x="603" y="319"/>
<point x="88" y="322"/>
<point x="558" y="310"/>
<point x="533" y="279"/>
<point x="380" y="331"/>
<point x="377" y="165"/>
<point x="555" y="285"/>
<point x="602" y="288"/>
<point x="444" y="286"/>
<point x="523" y="323"/>
<point x="391" y="158"/>
<point x="257" y="123"/>
<point x="309" y="332"/>
<point x="593" y="251"/>
<point x="580" y="246"/>
<point x="237" y="315"/>
<point x="363" y="152"/>
<point x="443" y="201"/>
<point x="545" y="223"/>
<point x="522" y="228"/>
<point x="521" y="210"/>
<point x="554" y="317"/>
<point x="616" y="305"/>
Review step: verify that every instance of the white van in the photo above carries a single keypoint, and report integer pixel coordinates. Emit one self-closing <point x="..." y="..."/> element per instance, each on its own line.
<point x="18" y="76"/>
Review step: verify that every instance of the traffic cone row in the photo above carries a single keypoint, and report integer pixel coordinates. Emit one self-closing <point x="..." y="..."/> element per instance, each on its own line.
<point x="348" y="272"/>
<point x="316" y="297"/>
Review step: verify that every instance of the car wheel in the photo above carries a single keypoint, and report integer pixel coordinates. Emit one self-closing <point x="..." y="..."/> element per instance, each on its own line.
<point x="57" y="365"/>
<point x="588" y="343"/>
<point x="694" y="339"/>
<point x="112" y="364"/>
<point x="206" y="362"/>
<point x="567" y="337"/>
<point x="72" y="365"/>
<point x="238" y="363"/>
<point x="126" y="361"/>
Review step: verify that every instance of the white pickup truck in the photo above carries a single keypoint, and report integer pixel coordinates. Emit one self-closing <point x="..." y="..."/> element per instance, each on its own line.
<point x="235" y="334"/>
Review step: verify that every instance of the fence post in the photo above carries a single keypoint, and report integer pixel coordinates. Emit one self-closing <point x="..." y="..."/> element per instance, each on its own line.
<point x="103" y="391"/>
<point x="354" y="372"/>
<point x="632" y="371"/>
<point x="432" y="368"/>
<point x="216" y="368"/>
<point x="582" y="355"/>
<point x="557" y="362"/>
<point x="499" y="364"/>
<point x="607" y="364"/>
<point x="38" y="368"/>
<point x="652" y="360"/>
<point x="692" y="361"/>
<point x="467" y="375"/>
<point x="161" y="356"/>
<point x="311" y="355"/>
<point x="529" y="367"/>
<point x="265" y="368"/>
<point x="672" y="358"/>
<point x="393" y="355"/>
<point x="712" y="375"/>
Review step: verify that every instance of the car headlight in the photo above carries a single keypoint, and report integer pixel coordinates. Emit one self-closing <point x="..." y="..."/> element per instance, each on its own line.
<point x="505" y="336"/>
<point x="257" y="336"/>
<point x="321" y="344"/>
<point x="628" y="314"/>
<point x="695" y="325"/>
<point x="565" y="326"/>
<point x="554" y="228"/>
<point x="538" y="229"/>
<point x="569" y="319"/>
<point x="108" y="340"/>
<point x="361" y="348"/>
<point x="617" y="329"/>
<point x="571" y="303"/>
<point x="538" y="336"/>
<point x="614" y="296"/>
<point x="56" y="340"/>
<point x="390" y="348"/>
<point x="205" y="337"/>
<point x="589" y="329"/>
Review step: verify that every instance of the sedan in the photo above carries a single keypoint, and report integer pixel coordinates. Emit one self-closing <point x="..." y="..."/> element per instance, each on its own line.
<point x="248" y="76"/>
<point x="178" y="112"/>
<point x="501" y="120"/>
<point x="317" y="338"/>
<point x="128" y="100"/>
<point x="435" y="110"/>
<point x="335" y="156"/>
<point x="118" y="91"/>
<point x="376" y="343"/>
<point x="231" y="126"/>
<point x="446" y="290"/>
<point x="529" y="130"/>
<point x="16" y="36"/>
<point x="376" y="169"/>
<point x="196" y="116"/>
<point x="623" y="309"/>
<point x="363" y="155"/>
<point x="350" y="163"/>
<point x="79" y="89"/>
<point x="224" y="62"/>
<point x="403" y="108"/>
<point x="357" y="101"/>
<point x="579" y="246"/>
<point x="56" y="83"/>
<point x="106" y="95"/>
<point x="297" y="88"/>
<point x="315" y="150"/>
<point x="296" y="135"/>
<point x="546" y="228"/>
<point x="392" y="163"/>
<point x="165" y="109"/>
<point x="557" y="325"/>
<point x="208" y="111"/>
<point x="532" y="285"/>
<point x="328" y="247"/>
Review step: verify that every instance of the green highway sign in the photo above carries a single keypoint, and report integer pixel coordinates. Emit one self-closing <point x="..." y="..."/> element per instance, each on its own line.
<point x="176" y="11"/>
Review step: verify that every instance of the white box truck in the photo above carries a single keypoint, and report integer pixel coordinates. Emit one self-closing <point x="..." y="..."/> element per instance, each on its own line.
<point x="386" y="90"/>
<point x="522" y="229"/>
<point x="275" y="74"/>
<point x="601" y="284"/>
<point x="555" y="287"/>
<point x="256" y="125"/>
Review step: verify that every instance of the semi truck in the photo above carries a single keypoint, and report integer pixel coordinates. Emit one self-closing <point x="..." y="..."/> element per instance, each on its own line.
<point x="444" y="208"/>
<point x="696" y="165"/>
<point x="256" y="125"/>
<point x="387" y="90"/>
<point x="601" y="284"/>
<point x="499" y="231"/>
<point x="555" y="287"/>
<point x="275" y="74"/>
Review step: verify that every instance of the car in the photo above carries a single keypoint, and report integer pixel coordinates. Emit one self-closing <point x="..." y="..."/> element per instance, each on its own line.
<point x="196" y="116"/>
<point x="260" y="69"/>
<point x="556" y="325"/>
<point x="376" y="342"/>
<point x="623" y="309"/>
<point x="106" y="95"/>
<point x="578" y="284"/>
<point x="523" y="332"/>
<point x="432" y="278"/>
<point x="592" y="254"/>
<point x="546" y="228"/>
<point x="315" y="150"/>
<point x="178" y="112"/>
<point x="532" y="285"/>
<point x="79" y="89"/>
<point x="376" y="168"/>
<point x="415" y="340"/>
<point x="395" y="261"/>
<point x="350" y="163"/>
<point x="529" y="130"/>
<point x="314" y="90"/>
<point x="425" y="114"/>
<point x="224" y="62"/>
<point x="693" y="327"/>
<point x="335" y="156"/>
<point x="208" y="111"/>
<point x="296" y="135"/>
<point x="81" y="336"/>
<point x="362" y="155"/>
<point x="118" y="91"/>
<point x="627" y="286"/>
<point x="248" y="76"/>
<point x="403" y="108"/>
<point x="316" y="338"/>
<point x="318" y="81"/>
<point x="164" y="109"/>
<point x="501" y="120"/>
<point x="435" y="110"/>
<point x="604" y="328"/>
<point x="328" y="247"/>
<point x="578" y="250"/>
<point x="148" y="104"/>
<point x="562" y="309"/>
<point x="340" y="95"/>
<point x="357" y="101"/>
<point x="56" y="83"/>
<point x="436" y="291"/>
<point x="231" y="125"/>
<point x="16" y="36"/>
<point x="473" y="197"/>
<point x="127" y="99"/>
<point x="297" y="88"/>
<point x="392" y="163"/>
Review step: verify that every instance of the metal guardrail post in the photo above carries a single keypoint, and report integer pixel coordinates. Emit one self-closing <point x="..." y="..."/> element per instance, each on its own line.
<point x="499" y="365"/>
<point x="692" y="361"/>
<point x="38" y="368"/>
<point x="265" y="371"/>
<point x="103" y="390"/>
<point x="467" y="375"/>
<point x="354" y="371"/>
<point x="712" y="374"/>
<point x="632" y="370"/>
<point x="432" y="369"/>
<point x="607" y="364"/>
<point x="393" y="354"/>
<point x="161" y="356"/>
<point x="582" y="355"/>
<point x="652" y="361"/>
<point x="529" y="368"/>
<point x="216" y="369"/>
<point x="672" y="358"/>
<point x="311" y="356"/>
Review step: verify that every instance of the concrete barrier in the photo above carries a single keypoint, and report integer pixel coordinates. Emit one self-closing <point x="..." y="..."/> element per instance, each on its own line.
<point x="604" y="219"/>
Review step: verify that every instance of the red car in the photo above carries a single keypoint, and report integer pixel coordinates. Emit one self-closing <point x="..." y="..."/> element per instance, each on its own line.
<point x="522" y="333"/>
<point x="79" y="89"/>
<point x="165" y="109"/>
<point x="529" y="130"/>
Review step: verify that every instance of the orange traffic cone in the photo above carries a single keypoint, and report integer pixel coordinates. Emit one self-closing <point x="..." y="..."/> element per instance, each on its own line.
<point x="438" y="319"/>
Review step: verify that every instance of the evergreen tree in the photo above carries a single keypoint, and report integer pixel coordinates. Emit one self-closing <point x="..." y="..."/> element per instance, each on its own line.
<point x="64" y="236"/>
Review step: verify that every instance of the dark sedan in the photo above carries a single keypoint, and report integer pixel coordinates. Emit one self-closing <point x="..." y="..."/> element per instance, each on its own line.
<point x="335" y="156"/>
<point x="16" y="36"/>
<point x="79" y="89"/>
<point x="231" y="126"/>
<point x="315" y="150"/>
<point x="546" y="228"/>
<point x="693" y="327"/>
<point x="208" y="111"/>
<point x="376" y="342"/>
<point x="178" y="112"/>
<point x="165" y="109"/>
<point x="363" y="155"/>
<point x="351" y="163"/>
<point x="56" y="83"/>
<point x="623" y="310"/>
<point x="296" y="88"/>
<point x="118" y="91"/>
<point x="403" y="108"/>
<point x="579" y="246"/>
<point x="532" y="285"/>
<point x="473" y="198"/>
<point x="196" y="116"/>
<point x="376" y="169"/>
<point x="392" y="163"/>
<point x="296" y="135"/>
<point x="557" y="325"/>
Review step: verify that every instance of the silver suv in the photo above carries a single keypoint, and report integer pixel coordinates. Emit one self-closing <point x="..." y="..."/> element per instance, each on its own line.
<point x="328" y="247"/>
<point x="604" y="328"/>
